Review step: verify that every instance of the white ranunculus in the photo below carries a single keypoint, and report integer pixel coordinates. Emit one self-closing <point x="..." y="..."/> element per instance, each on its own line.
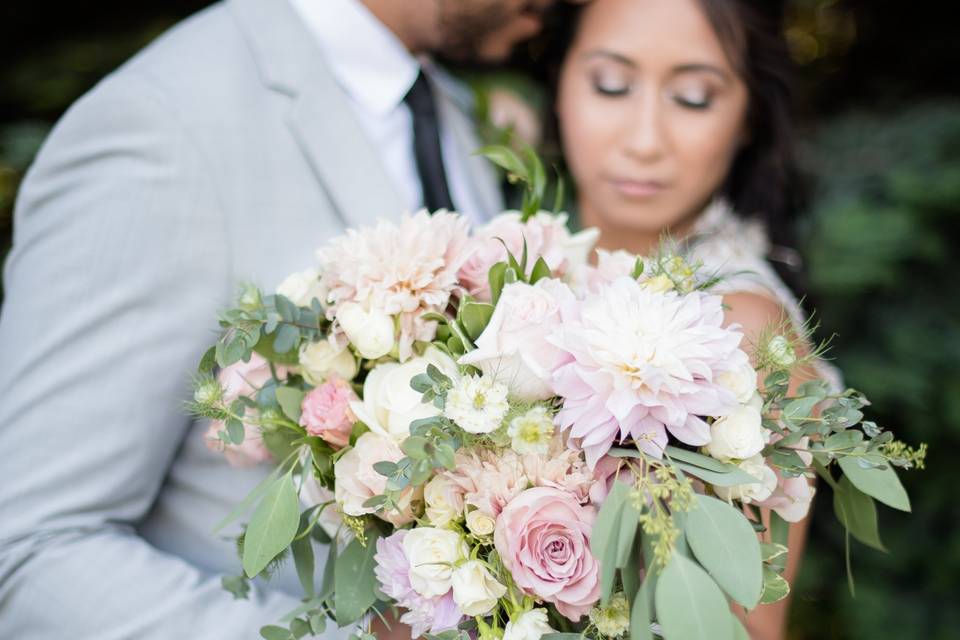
<point x="371" y="332"/>
<point x="433" y="553"/>
<point x="480" y="523"/>
<point x="389" y="403"/>
<point x="531" y="625"/>
<point x="475" y="590"/>
<point x="444" y="502"/>
<point x="742" y="382"/>
<point x="739" y="435"/>
<point x="756" y="401"/>
<point x="320" y="360"/>
<point x="513" y="348"/>
<point x="756" y="491"/>
<point x="302" y="287"/>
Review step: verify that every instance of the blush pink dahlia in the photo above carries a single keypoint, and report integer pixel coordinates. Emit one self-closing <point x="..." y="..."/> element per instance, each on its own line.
<point x="543" y="538"/>
<point x="401" y="269"/>
<point x="642" y="363"/>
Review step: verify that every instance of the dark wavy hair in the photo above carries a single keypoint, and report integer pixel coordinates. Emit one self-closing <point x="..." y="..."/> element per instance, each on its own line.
<point x="764" y="181"/>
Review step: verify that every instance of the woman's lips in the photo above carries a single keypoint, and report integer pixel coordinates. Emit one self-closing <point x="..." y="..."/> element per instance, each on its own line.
<point x="637" y="189"/>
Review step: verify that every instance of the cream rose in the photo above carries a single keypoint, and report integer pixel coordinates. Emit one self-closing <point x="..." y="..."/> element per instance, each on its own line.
<point x="514" y="347"/>
<point x="320" y="360"/>
<point x="475" y="590"/>
<point x="739" y="435"/>
<point x="389" y="403"/>
<point x="371" y="332"/>
<point x="755" y="491"/>
<point x="433" y="554"/>
<point x="480" y="523"/>
<point x="357" y="481"/>
<point x="444" y="501"/>
<point x="302" y="287"/>
<point x="742" y="382"/>
<point x="531" y="625"/>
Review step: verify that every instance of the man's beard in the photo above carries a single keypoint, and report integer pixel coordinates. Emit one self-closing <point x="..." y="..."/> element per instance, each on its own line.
<point x="466" y="27"/>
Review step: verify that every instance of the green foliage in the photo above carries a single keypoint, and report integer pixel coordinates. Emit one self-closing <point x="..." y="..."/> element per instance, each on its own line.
<point x="881" y="249"/>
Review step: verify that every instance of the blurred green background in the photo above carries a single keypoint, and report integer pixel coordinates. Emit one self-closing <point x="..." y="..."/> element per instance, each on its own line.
<point x="879" y="110"/>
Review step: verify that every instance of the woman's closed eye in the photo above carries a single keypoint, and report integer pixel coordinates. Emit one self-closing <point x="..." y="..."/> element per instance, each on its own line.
<point x="610" y="84"/>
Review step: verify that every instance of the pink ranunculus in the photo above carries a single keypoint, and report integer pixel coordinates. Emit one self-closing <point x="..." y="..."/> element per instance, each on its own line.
<point x="543" y="538"/>
<point x="243" y="379"/>
<point x="514" y="347"/>
<point x="546" y="236"/>
<point x="561" y="468"/>
<point x="488" y="480"/>
<point x="326" y="412"/>
<point x="792" y="498"/>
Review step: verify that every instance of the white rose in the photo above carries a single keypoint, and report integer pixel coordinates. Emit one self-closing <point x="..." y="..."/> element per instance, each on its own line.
<point x="320" y="359"/>
<point x="475" y="590"/>
<point x="756" y="401"/>
<point x="371" y="332"/>
<point x="302" y="287"/>
<point x="433" y="553"/>
<point x="578" y="246"/>
<point x="739" y="435"/>
<point x="389" y="403"/>
<point x="480" y="523"/>
<point x="444" y="502"/>
<point x="755" y="491"/>
<point x="529" y="626"/>
<point x="742" y="382"/>
<point x="514" y="347"/>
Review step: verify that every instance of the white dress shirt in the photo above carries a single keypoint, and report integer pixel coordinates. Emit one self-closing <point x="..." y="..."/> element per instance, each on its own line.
<point x="376" y="71"/>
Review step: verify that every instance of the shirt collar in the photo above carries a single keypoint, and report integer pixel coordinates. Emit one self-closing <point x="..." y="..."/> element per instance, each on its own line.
<point x="367" y="59"/>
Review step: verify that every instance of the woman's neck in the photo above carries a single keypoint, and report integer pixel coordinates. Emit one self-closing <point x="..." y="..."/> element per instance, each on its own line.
<point x="643" y="242"/>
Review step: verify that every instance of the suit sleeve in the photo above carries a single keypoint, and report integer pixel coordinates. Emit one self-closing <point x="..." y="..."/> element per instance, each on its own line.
<point x="118" y="268"/>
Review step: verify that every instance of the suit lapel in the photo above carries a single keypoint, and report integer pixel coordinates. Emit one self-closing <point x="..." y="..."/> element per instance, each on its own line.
<point x="319" y="114"/>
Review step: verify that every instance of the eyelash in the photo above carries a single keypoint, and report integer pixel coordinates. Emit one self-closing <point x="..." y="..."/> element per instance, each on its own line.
<point x="612" y="93"/>
<point x="693" y="104"/>
<point x="620" y="92"/>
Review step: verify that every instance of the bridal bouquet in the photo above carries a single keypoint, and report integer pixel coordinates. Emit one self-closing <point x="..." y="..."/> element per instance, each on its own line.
<point x="501" y="440"/>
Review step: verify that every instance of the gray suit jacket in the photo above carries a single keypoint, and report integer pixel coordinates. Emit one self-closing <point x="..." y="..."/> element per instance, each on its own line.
<point x="222" y="153"/>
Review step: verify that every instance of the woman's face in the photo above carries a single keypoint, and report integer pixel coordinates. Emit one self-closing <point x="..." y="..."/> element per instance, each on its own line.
<point x="651" y="113"/>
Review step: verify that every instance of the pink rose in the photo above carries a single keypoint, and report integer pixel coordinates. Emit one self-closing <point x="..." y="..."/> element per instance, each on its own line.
<point x="357" y="481"/>
<point x="546" y="236"/>
<point x="243" y="379"/>
<point x="514" y="347"/>
<point x="543" y="537"/>
<point x="326" y="412"/>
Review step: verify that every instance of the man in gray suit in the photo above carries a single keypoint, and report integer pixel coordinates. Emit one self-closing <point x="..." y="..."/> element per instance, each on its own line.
<point x="225" y="152"/>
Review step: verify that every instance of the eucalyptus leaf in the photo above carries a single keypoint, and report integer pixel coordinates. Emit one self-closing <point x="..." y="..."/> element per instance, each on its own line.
<point x="775" y="586"/>
<point x="882" y="484"/>
<point x="690" y="605"/>
<point x="640" y="614"/>
<point x="354" y="580"/>
<point x="290" y="400"/>
<point x="603" y="538"/>
<point x="285" y="338"/>
<point x="272" y="527"/>
<point x="303" y="559"/>
<point x="858" y="513"/>
<point x="698" y="459"/>
<point x="273" y="632"/>
<point x="734" y="477"/>
<point x="799" y="408"/>
<point x="725" y="544"/>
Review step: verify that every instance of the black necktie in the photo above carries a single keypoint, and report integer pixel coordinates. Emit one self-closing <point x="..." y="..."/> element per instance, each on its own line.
<point x="426" y="145"/>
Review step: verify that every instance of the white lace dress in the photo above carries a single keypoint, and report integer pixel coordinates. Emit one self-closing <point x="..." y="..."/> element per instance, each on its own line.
<point x="736" y="250"/>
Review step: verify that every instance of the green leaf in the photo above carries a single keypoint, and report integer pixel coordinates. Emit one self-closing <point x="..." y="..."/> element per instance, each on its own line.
<point x="858" y="513"/>
<point x="775" y="586"/>
<point x="496" y="279"/>
<point x="354" y="580"/>
<point x="731" y="478"/>
<point x="329" y="571"/>
<point x="285" y="307"/>
<point x="290" y="400"/>
<point x="235" y="431"/>
<point x="540" y="271"/>
<point x="698" y="459"/>
<point x="474" y="317"/>
<point x="725" y="544"/>
<point x="273" y="632"/>
<point x="848" y="439"/>
<point x="286" y="338"/>
<point x="769" y="551"/>
<point x="629" y="523"/>
<point x="882" y="484"/>
<point x="272" y="527"/>
<point x="265" y="348"/>
<point x="237" y="585"/>
<point x="209" y="361"/>
<point x="779" y="534"/>
<point x="303" y="559"/>
<point x="559" y="195"/>
<point x="640" y="614"/>
<point x="603" y="539"/>
<point x="505" y="158"/>
<point x="690" y="605"/>
<point x="258" y="491"/>
<point x="799" y="408"/>
<point x="300" y="628"/>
